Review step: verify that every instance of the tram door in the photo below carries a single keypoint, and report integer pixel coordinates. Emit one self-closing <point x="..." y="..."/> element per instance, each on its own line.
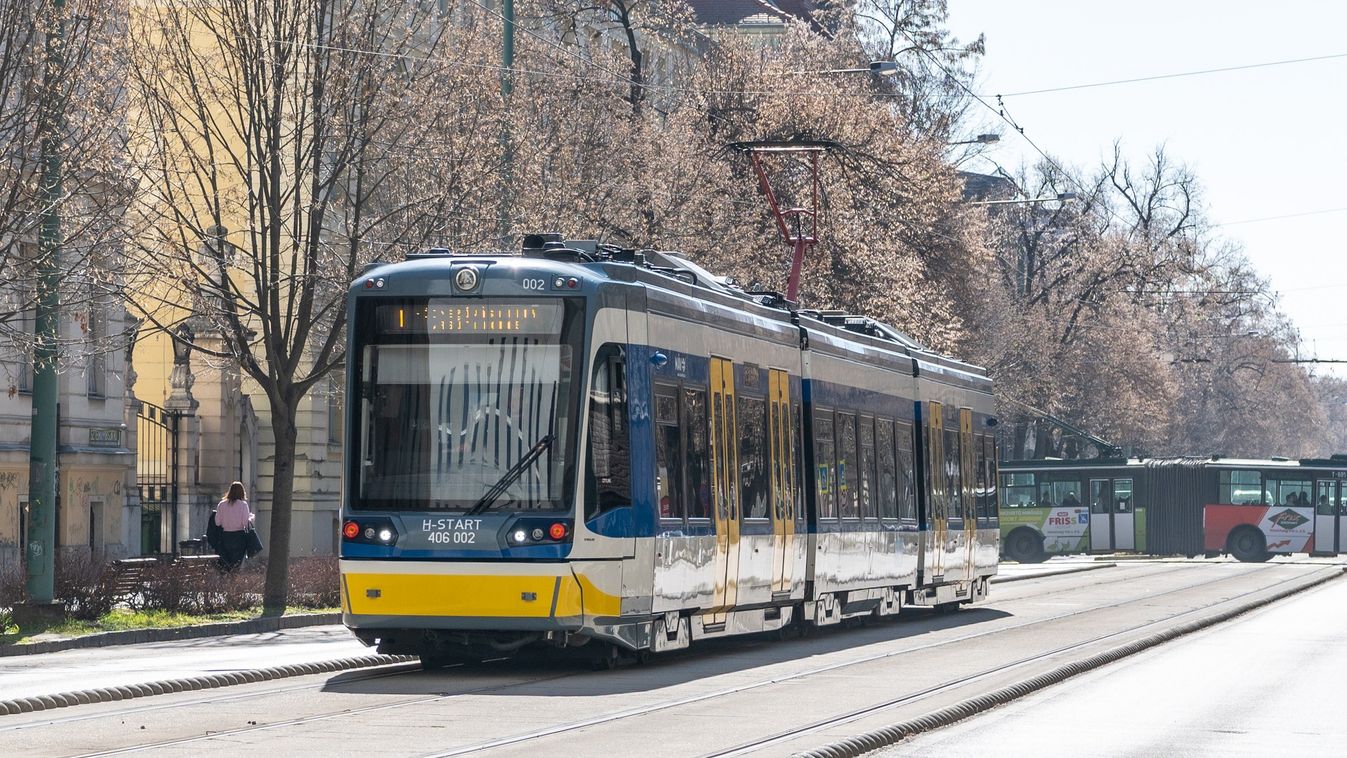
<point x="781" y="449"/>
<point x="1112" y="523"/>
<point x="1330" y="516"/>
<point x="967" y="490"/>
<point x="937" y="519"/>
<point x="725" y="476"/>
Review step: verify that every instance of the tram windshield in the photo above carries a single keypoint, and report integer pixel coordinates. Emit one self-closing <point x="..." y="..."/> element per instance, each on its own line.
<point x="465" y="407"/>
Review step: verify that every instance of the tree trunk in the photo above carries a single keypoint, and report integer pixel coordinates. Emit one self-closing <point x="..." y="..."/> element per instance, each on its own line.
<point x="276" y="592"/>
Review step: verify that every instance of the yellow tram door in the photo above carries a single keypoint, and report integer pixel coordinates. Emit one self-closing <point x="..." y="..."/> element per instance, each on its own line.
<point x="937" y="518"/>
<point x="783" y="477"/>
<point x="725" y="469"/>
<point x="967" y="480"/>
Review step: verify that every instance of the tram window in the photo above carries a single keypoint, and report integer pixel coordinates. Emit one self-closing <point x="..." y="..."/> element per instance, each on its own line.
<point x="1019" y="490"/>
<point x="1241" y="487"/>
<point x="887" y="492"/>
<point x="754" y="481"/>
<point x="698" y="466"/>
<point x="848" y="472"/>
<point x="797" y="457"/>
<point x="907" y="500"/>
<point x="1294" y="493"/>
<point x="609" y="465"/>
<point x="953" y="474"/>
<point x="982" y="481"/>
<point x="823" y="463"/>
<point x="868" y="497"/>
<point x="668" y="455"/>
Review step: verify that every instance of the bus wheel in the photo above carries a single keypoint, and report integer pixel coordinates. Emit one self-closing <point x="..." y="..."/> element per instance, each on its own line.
<point x="1248" y="545"/>
<point x="1024" y="546"/>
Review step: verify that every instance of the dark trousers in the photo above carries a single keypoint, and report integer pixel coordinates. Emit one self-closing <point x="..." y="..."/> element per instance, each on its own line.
<point x="233" y="549"/>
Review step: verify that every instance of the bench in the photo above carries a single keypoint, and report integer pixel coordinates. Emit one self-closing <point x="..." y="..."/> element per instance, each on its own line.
<point x="130" y="576"/>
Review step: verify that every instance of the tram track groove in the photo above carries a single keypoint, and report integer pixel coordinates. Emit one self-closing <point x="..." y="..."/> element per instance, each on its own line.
<point x="664" y="705"/>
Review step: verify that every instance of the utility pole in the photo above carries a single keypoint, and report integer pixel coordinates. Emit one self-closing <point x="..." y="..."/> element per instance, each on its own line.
<point x="506" y="88"/>
<point x="43" y="461"/>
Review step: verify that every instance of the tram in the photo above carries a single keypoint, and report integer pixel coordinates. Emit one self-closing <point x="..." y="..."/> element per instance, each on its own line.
<point x="580" y="445"/>
<point x="1251" y="509"/>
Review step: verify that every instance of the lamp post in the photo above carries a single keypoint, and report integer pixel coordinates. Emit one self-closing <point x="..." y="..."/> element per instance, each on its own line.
<point x="43" y="449"/>
<point x="981" y="139"/>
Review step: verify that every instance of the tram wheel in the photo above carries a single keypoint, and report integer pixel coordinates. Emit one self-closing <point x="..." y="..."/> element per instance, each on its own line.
<point x="1248" y="546"/>
<point x="1023" y="546"/>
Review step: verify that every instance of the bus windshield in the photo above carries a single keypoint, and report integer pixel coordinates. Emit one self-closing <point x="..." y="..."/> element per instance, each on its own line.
<point x="465" y="407"/>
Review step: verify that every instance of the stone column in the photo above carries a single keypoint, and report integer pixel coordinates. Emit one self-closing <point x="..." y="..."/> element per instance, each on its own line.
<point x="181" y="401"/>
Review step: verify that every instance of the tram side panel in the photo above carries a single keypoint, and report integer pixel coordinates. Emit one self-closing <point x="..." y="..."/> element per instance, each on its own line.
<point x="864" y="552"/>
<point x="730" y="532"/>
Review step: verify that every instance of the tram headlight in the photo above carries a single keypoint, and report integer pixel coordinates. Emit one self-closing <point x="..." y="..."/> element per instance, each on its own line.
<point x="519" y="537"/>
<point x="385" y="535"/>
<point x="369" y="532"/>
<point x="350" y="530"/>
<point x="538" y="534"/>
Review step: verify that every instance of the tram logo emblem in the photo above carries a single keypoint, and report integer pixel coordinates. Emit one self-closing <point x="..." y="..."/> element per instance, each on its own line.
<point x="1288" y="520"/>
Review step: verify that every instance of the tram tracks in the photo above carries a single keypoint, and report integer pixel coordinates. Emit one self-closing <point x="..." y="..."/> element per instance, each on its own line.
<point x="729" y="691"/>
<point x="674" y="703"/>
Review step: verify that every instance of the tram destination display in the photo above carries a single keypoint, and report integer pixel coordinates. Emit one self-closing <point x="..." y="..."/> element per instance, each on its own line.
<point x="443" y="316"/>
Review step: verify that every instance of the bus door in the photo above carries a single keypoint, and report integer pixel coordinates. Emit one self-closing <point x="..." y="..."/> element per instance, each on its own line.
<point x="1124" y="518"/>
<point x="780" y="448"/>
<point x="1112" y="523"/>
<point x="1329" y="536"/>
<point x="725" y="477"/>
<point x="1101" y="514"/>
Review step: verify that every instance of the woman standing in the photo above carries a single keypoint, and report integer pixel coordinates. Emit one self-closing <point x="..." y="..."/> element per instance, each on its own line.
<point x="234" y="518"/>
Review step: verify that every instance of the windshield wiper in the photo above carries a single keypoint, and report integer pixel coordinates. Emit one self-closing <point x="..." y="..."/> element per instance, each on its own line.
<point x="510" y="476"/>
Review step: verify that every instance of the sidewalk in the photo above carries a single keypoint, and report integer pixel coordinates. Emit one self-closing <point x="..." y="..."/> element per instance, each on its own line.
<point x="92" y="668"/>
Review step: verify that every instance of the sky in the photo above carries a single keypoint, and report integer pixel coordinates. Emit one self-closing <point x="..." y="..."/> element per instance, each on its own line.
<point x="1264" y="142"/>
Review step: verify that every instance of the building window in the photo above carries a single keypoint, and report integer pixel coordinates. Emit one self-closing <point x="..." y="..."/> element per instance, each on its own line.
<point x="96" y="362"/>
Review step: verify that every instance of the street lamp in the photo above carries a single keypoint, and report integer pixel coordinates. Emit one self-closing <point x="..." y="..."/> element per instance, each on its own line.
<point x="1063" y="197"/>
<point x="878" y="68"/>
<point x="981" y="139"/>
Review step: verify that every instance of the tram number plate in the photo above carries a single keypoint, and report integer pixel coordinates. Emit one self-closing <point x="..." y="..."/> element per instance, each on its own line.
<point x="451" y="531"/>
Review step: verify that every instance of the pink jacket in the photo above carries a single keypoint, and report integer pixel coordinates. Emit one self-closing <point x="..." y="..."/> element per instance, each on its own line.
<point x="233" y="516"/>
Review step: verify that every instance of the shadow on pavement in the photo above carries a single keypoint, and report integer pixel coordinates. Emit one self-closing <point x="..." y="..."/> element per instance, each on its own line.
<point x="550" y="673"/>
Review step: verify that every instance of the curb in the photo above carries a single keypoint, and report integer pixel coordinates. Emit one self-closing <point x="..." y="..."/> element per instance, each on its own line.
<point x="207" y="682"/>
<point x="1000" y="579"/>
<point x="133" y="636"/>
<point x="874" y="740"/>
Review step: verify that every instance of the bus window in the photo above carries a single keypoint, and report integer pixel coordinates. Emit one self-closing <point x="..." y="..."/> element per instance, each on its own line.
<point x="668" y="455"/>
<point x="1293" y="493"/>
<point x="1122" y="495"/>
<point x="1241" y="487"/>
<point x="1059" y="491"/>
<point x="1019" y="490"/>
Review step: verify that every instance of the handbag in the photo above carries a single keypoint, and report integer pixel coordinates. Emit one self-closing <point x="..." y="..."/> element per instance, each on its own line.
<point x="253" y="544"/>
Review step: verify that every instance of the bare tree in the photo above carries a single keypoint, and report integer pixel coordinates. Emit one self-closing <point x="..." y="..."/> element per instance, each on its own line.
<point x="74" y="101"/>
<point x="281" y="146"/>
